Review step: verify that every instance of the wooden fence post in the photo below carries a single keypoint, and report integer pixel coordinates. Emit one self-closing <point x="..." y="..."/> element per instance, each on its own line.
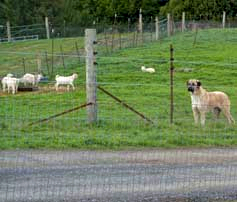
<point x="183" y="22"/>
<point x="140" y="21"/>
<point x="168" y="25"/>
<point x="157" y="28"/>
<point x="47" y="27"/>
<point x="91" y="84"/>
<point x="8" y="31"/>
<point x="223" y="20"/>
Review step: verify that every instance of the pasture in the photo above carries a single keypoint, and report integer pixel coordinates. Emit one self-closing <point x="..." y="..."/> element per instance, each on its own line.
<point x="208" y="55"/>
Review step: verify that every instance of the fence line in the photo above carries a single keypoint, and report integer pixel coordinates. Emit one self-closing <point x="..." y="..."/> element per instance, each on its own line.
<point x="119" y="158"/>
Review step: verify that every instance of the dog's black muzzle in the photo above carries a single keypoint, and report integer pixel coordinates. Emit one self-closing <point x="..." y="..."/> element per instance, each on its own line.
<point x="191" y="89"/>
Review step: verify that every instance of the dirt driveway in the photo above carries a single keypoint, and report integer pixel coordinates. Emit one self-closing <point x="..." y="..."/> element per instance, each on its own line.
<point x="138" y="175"/>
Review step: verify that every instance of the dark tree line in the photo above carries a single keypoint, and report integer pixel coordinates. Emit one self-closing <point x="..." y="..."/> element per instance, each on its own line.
<point x="201" y="9"/>
<point x="86" y="12"/>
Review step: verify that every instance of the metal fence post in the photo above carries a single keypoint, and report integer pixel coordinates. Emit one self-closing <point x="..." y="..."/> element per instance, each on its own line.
<point x="171" y="84"/>
<point x="91" y="85"/>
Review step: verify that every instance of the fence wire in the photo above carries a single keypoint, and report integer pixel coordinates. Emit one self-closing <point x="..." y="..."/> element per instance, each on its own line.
<point x="138" y="175"/>
<point x="123" y="157"/>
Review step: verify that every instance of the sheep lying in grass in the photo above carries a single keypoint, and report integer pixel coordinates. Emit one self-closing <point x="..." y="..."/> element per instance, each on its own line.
<point x="10" y="83"/>
<point x="65" y="80"/>
<point x="150" y="70"/>
<point x="31" y="79"/>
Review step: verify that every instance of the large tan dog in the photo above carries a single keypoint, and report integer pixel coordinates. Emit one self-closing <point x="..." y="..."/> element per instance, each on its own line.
<point x="204" y="101"/>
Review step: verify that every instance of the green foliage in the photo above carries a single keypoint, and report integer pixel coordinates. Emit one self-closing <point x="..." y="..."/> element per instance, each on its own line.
<point x="88" y="12"/>
<point x="200" y="9"/>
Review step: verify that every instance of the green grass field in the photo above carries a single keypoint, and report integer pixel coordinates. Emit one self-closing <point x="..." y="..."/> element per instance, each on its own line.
<point x="209" y="56"/>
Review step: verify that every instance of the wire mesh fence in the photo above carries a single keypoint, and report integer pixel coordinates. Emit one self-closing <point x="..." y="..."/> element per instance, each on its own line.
<point x="150" y="175"/>
<point x="123" y="157"/>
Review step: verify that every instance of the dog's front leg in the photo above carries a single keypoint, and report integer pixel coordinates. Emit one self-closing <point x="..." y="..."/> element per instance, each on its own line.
<point x="195" y="115"/>
<point x="203" y="118"/>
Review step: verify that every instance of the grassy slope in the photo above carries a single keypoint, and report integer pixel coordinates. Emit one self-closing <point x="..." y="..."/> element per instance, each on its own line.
<point x="12" y="54"/>
<point x="212" y="59"/>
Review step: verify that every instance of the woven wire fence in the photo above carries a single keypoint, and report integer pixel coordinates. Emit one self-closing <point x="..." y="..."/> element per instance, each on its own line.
<point x="123" y="157"/>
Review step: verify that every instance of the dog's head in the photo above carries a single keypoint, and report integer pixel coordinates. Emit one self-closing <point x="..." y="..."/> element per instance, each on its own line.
<point x="193" y="85"/>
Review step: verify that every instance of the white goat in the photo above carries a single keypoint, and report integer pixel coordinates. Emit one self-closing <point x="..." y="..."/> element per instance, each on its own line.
<point x="31" y="79"/>
<point x="10" y="83"/>
<point x="65" y="80"/>
<point x="150" y="70"/>
<point x="4" y="81"/>
<point x="10" y="75"/>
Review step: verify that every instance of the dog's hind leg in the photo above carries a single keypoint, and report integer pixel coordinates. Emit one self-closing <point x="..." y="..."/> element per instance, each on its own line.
<point x="228" y="116"/>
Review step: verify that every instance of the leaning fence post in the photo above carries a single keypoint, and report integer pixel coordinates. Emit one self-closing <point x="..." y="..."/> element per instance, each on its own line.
<point x="91" y="85"/>
<point x="171" y="83"/>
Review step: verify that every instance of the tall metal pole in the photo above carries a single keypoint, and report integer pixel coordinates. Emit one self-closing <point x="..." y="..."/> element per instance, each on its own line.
<point x="171" y="84"/>
<point x="52" y="70"/>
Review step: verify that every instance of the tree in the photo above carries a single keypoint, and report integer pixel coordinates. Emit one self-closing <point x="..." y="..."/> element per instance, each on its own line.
<point x="200" y="9"/>
<point x="6" y="10"/>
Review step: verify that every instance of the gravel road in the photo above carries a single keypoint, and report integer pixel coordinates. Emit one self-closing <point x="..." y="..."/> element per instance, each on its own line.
<point x="137" y="175"/>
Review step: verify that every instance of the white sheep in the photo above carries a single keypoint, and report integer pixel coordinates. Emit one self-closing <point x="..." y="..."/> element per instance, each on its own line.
<point x="10" y="83"/>
<point x="150" y="70"/>
<point x="65" y="80"/>
<point x="31" y="79"/>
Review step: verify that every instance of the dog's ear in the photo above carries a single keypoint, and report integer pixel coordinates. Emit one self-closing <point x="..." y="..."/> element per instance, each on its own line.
<point x="187" y="82"/>
<point x="199" y="83"/>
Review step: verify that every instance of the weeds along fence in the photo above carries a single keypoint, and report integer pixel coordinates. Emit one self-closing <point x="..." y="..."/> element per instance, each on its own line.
<point x="49" y="152"/>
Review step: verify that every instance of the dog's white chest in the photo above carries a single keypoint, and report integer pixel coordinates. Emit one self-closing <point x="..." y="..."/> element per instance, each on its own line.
<point x="196" y="101"/>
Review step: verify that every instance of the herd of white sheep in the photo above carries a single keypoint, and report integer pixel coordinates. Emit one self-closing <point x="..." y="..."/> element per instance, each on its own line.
<point x="11" y="83"/>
